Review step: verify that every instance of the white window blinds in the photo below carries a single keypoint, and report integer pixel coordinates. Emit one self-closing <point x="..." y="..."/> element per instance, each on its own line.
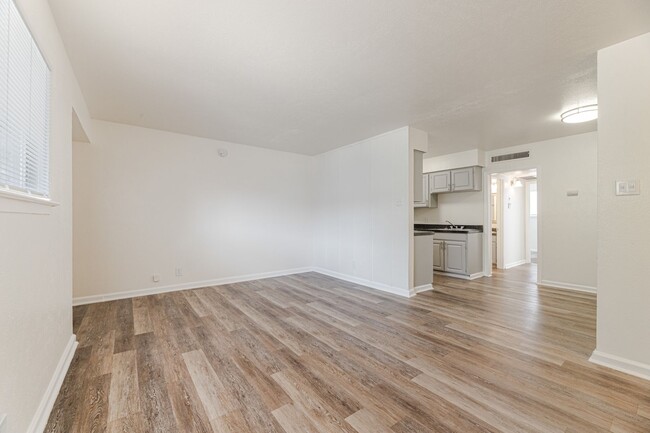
<point x="24" y="107"/>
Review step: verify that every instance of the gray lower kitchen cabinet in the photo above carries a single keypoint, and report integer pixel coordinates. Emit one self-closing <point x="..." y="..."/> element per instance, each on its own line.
<point x="438" y="255"/>
<point x="422" y="273"/>
<point x="456" y="257"/>
<point x="458" y="254"/>
<point x="450" y="256"/>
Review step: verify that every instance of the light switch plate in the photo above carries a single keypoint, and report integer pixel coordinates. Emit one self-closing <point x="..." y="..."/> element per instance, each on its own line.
<point x="628" y="187"/>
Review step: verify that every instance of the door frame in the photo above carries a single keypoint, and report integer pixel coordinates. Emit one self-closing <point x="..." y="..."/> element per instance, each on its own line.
<point x="487" y="215"/>
<point x="527" y="218"/>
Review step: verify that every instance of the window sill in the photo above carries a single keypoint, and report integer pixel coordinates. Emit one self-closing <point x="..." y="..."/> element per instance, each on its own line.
<point x="17" y="202"/>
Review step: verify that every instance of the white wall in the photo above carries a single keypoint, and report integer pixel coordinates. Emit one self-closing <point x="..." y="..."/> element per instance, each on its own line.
<point x="36" y="252"/>
<point x="624" y="236"/>
<point x="467" y="158"/>
<point x="461" y="208"/>
<point x="362" y="230"/>
<point x="147" y="202"/>
<point x="513" y="225"/>
<point x="567" y="236"/>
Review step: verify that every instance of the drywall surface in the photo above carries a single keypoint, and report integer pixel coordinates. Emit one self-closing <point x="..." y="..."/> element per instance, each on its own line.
<point x="567" y="227"/>
<point x="362" y="227"/>
<point x="623" y="235"/>
<point x="461" y="208"/>
<point x="467" y="158"/>
<point x="36" y="252"/>
<point x="148" y="202"/>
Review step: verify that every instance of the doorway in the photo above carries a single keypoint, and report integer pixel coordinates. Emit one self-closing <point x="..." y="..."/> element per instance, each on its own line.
<point x="513" y="206"/>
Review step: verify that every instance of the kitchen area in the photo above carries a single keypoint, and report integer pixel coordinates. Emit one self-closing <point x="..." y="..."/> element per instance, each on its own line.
<point x="467" y="222"/>
<point x="448" y="216"/>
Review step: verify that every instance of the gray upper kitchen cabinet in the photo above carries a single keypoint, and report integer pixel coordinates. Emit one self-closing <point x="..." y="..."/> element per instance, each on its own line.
<point x="421" y="195"/>
<point x="462" y="179"/>
<point x="440" y="181"/>
<point x="425" y="198"/>
<point x="417" y="172"/>
<point x="459" y="179"/>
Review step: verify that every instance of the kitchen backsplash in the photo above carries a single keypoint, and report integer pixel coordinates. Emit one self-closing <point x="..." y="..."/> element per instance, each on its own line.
<point x="462" y="207"/>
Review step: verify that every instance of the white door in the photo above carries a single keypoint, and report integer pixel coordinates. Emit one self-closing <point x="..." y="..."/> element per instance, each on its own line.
<point x="462" y="179"/>
<point x="438" y="256"/>
<point x="455" y="257"/>
<point x="439" y="182"/>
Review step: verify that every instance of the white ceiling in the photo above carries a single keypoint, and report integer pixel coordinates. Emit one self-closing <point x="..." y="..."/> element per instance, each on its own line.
<point x="307" y="76"/>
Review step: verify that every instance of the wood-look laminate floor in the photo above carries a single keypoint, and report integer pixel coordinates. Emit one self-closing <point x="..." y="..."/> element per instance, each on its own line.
<point x="309" y="353"/>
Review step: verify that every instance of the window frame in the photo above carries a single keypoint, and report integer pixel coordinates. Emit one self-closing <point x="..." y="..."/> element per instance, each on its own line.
<point x="15" y="200"/>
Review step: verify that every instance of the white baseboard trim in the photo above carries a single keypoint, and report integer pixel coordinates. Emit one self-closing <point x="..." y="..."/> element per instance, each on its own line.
<point x="47" y="402"/>
<point x="476" y="275"/>
<point x="621" y="364"/>
<point x="82" y="300"/>
<point x="460" y="276"/>
<point x="361" y="281"/>
<point x="183" y="286"/>
<point x="423" y="288"/>
<point x="514" y="264"/>
<point x="568" y="286"/>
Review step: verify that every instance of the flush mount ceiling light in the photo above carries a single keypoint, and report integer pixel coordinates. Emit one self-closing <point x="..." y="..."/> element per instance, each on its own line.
<point x="580" y="114"/>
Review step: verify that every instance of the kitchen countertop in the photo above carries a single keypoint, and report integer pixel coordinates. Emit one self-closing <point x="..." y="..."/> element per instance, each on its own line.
<point x="444" y="228"/>
<point x="432" y="231"/>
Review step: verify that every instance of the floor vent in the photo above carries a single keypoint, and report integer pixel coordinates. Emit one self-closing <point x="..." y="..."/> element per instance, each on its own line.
<point x="510" y="156"/>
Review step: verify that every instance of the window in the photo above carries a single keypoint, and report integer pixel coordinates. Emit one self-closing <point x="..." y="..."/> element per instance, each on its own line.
<point x="24" y="107"/>
<point x="533" y="202"/>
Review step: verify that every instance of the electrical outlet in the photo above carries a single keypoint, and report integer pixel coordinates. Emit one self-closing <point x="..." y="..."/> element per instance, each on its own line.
<point x="628" y="187"/>
<point x="179" y="272"/>
<point x="155" y="278"/>
<point x="3" y="418"/>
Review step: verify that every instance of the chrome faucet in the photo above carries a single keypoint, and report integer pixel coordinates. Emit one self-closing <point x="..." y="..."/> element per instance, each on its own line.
<point x="451" y="225"/>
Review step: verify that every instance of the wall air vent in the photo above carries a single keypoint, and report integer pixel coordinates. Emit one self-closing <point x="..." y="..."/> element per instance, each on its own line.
<point x="510" y="156"/>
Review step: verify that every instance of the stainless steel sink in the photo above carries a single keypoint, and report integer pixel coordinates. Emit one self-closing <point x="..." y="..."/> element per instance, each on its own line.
<point x="455" y="230"/>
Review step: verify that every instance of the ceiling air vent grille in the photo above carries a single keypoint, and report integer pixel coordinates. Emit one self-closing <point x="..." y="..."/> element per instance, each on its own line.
<point x="510" y="156"/>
